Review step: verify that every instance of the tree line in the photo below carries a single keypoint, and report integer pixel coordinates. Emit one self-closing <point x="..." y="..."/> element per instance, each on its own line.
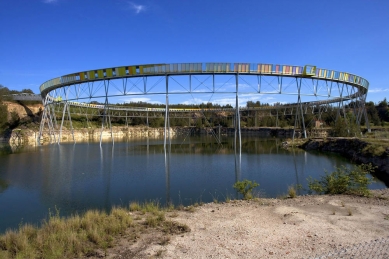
<point x="273" y="116"/>
<point x="343" y="121"/>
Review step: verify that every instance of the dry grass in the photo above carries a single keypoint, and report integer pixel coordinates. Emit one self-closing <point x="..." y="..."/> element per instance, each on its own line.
<point x="292" y="192"/>
<point x="80" y="236"/>
<point x="349" y="212"/>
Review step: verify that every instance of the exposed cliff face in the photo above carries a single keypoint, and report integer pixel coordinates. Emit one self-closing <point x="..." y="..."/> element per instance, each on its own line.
<point x="24" y="110"/>
<point x="356" y="150"/>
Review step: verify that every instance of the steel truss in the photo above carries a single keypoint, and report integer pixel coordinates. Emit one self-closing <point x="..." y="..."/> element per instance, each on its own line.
<point x="100" y="97"/>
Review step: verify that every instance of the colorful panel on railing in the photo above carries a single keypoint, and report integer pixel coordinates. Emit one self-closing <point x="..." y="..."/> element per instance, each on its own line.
<point x="345" y="78"/>
<point x="341" y="76"/>
<point x="68" y="79"/>
<point x="336" y="75"/>
<point x="185" y="68"/>
<point x="241" y="67"/>
<point x="132" y="70"/>
<point x="120" y="71"/>
<point x="109" y="72"/>
<point x="91" y="75"/>
<point x="265" y="69"/>
<point x="198" y="67"/>
<point x="287" y="70"/>
<point x="100" y="74"/>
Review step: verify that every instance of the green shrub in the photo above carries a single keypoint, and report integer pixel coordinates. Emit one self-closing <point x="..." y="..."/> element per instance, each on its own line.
<point x="344" y="181"/>
<point x="292" y="192"/>
<point x="245" y="187"/>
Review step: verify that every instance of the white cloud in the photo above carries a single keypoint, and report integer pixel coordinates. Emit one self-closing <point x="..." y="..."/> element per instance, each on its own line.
<point x="378" y="90"/>
<point x="137" y="7"/>
<point x="49" y="1"/>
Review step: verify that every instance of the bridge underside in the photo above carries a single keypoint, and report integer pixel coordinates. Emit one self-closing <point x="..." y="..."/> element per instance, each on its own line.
<point x="105" y="100"/>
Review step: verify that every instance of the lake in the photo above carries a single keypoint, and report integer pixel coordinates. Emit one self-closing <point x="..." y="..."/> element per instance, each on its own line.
<point x="73" y="178"/>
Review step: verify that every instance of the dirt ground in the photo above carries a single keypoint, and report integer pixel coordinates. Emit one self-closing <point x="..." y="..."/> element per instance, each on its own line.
<point x="302" y="227"/>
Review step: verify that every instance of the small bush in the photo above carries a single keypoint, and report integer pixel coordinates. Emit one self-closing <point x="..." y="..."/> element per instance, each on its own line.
<point x="292" y="192"/>
<point x="344" y="181"/>
<point x="245" y="187"/>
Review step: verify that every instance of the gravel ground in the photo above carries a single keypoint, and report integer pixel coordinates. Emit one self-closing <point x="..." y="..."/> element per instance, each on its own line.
<point x="273" y="228"/>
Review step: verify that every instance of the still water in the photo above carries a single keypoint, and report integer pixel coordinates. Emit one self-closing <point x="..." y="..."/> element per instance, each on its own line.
<point x="77" y="177"/>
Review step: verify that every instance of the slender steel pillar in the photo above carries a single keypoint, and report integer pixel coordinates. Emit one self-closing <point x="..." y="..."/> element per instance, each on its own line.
<point x="167" y="123"/>
<point x="237" y="117"/>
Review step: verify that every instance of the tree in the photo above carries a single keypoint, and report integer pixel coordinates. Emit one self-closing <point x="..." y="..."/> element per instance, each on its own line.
<point x="27" y="91"/>
<point x="383" y="103"/>
<point x="372" y="113"/>
<point x="345" y="127"/>
<point x="383" y="112"/>
<point x="3" y="116"/>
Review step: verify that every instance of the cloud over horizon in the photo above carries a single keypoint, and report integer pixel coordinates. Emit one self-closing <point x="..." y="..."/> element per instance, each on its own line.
<point x="378" y="90"/>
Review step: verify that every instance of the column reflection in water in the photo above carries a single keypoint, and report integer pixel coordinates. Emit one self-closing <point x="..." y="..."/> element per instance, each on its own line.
<point x="297" y="173"/>
<point x="238" y="162"/>
<point x="167" y="172"/>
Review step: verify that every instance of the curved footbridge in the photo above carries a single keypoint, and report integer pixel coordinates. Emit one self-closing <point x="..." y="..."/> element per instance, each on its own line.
<point x="101" y="88"/>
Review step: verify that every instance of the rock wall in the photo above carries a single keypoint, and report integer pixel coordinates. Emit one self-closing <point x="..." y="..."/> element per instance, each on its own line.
<point x="29" y="136"/>
<point x="356" y="150"/>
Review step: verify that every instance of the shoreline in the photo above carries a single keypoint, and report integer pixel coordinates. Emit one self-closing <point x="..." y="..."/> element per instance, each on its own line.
<point x="301" y="227"/>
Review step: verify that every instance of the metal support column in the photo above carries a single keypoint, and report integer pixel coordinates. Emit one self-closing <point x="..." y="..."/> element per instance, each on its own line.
<point x="237" y="117"/>
<point x="167" y="123"/>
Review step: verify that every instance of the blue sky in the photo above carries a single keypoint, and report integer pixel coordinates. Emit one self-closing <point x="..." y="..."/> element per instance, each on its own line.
<point x="44" y="39"/>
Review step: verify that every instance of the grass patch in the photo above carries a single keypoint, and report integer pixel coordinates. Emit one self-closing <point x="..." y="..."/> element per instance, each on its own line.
<point x="81" y="236"/>
<point x="375" y="149"/>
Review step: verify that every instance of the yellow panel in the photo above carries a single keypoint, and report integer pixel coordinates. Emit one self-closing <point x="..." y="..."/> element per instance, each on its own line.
<point x="140" y="69"/>
<point x="109" y="72"/>
<point x="82" y="78"/>
<point x="120" y="71"/>
<point x="132" y="70"/>
<point x="100" y="73"/>
<point x="91" y="74"/>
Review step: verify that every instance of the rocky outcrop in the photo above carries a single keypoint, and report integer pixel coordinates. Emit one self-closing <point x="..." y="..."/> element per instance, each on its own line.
<point x="356" y="150"/>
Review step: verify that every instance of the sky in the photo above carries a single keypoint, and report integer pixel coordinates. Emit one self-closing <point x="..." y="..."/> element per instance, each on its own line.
<point x="44" y="39"/>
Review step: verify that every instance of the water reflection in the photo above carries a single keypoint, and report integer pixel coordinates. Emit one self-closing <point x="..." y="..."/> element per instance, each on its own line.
<point x="3" y="185"/>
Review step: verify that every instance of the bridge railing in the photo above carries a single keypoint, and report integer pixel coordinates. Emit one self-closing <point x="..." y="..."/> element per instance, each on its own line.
<point x="206" y="68"/>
